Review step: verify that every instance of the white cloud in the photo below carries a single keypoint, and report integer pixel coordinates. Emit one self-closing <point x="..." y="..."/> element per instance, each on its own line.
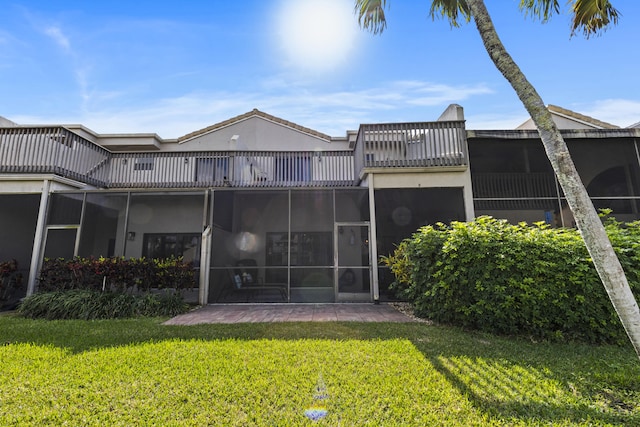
<point x="496" y="121"/>
<point x="333" y="113"/>
<point x="78" y="64"/>
<point x="55" y="33"/>
<point x="620" y="112"/>
<point x="431" y="95"/>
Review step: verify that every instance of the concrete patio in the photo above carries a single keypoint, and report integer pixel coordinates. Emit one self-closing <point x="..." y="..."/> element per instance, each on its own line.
<point x="264" y="313"/>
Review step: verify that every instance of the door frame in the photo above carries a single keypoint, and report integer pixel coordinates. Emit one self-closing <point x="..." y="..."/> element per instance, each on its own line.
<point x="351" y="296"/>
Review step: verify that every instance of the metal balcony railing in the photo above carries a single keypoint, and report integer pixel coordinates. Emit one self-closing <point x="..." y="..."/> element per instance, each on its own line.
<point x="53" y="150"/>
<point x="233" y="168"/>
<point x="411" y="145"/>
<point x="59" y="151"/>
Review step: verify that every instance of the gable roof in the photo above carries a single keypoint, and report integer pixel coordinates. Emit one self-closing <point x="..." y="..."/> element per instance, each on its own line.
<point x="564" y="117"/>
<point x="6" y="122"/>
<point x="580" y="117"/>
<point x="254" y="113"/>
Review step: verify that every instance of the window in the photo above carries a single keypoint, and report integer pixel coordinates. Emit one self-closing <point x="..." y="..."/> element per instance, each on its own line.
<point x="166" y="245"/>
<point x="143" y="164"/>
<point x="210" y="169"/>
<point x="293" y="169"/>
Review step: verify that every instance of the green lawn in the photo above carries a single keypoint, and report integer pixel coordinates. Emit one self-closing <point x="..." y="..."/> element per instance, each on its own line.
<point x="138" y="372"/>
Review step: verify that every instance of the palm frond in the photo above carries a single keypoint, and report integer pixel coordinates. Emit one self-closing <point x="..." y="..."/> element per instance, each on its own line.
<point x="451" y="10"/>
<point x="593" y="16"/>
<point x="371" y="15"/>
<point x="540" y="9"/>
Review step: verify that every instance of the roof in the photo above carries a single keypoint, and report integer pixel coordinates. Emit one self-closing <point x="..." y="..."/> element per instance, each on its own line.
<point x="6" y="122"/>
<point x="583" y="134"/>
<point x="581" y="117"/>
<point x="254" y="113"/>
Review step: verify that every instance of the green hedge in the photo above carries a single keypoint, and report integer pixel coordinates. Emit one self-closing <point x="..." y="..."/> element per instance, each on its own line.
<point x="106" y="288"/>
<point x="513" y="279"/>
<point x="89" y="304"/>
<point x="116" y="274"/>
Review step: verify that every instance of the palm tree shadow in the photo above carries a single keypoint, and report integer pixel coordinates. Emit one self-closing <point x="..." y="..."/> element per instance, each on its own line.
<point x="502" y="398"/>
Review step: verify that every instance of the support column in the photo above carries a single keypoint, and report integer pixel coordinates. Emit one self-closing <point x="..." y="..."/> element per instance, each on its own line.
<point x="374" y="241"/>
<point x="467" y="194"/>
<point x="38" y="238"/>
<point x="205" y="265"/>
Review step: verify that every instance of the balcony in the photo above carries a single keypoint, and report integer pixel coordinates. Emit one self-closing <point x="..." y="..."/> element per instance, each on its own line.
<point x="56" y="150"/>
<point x="232" y="169"/>
<point x="439" y="144"/>
<point x="53" y="150"/>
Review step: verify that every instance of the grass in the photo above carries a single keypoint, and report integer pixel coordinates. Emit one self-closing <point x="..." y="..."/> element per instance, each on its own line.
<point x="139" y="372"/>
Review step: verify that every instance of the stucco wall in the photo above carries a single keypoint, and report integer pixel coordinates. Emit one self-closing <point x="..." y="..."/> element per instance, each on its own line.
<point x="256" y="133"/>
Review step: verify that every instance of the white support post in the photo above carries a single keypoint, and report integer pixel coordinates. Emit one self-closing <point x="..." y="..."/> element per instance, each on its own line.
<point x="38" y="239"/>
<point x="205" y="264"/>
<point x="374" y="240"/>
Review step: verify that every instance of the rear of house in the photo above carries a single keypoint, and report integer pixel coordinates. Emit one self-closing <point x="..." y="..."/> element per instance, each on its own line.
<point x="271" y="211"/>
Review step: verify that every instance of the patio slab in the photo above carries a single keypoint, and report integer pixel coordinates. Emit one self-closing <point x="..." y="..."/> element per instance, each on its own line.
<point x="265" y="313"/>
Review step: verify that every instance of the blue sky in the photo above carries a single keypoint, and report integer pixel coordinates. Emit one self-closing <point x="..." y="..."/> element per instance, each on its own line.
<point x="174" y="67"/>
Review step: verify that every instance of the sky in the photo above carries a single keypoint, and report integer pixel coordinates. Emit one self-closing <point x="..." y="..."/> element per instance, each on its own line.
<point x="170" y="67"/>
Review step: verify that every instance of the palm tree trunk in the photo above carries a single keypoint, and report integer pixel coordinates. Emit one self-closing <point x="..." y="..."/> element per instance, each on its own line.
<point x="593" y="232"/>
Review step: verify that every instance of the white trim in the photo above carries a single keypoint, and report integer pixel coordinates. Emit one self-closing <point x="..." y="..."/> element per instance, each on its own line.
<point x="43" y="178"/>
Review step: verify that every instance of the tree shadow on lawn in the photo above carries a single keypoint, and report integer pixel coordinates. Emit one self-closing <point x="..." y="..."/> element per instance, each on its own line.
<point x="508" y="379"/>
<point x="522" y="393"/>
<point x="517" y="380"/>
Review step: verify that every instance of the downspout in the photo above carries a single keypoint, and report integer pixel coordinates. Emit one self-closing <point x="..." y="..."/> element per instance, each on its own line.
<point x="38" y="239"/>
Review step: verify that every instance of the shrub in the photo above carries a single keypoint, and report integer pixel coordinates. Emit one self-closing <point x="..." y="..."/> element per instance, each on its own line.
<point x="10" y="279"/>
<point x="513" y="279"/>
<point x="90" y="304"/>
<point x="116" y="274"/>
